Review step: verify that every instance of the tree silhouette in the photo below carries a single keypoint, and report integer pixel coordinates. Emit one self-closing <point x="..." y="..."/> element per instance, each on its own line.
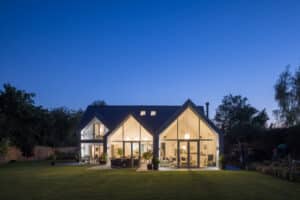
<point x="287" y="95"/>
<point x="235" y="116"/>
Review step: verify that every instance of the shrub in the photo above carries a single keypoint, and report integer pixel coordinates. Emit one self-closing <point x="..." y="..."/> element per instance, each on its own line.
<point x="147" y="155"/>
<point x="4" y="144"/>
<point x="155" y="163"/>
<point x="285" y="173"/>
<point x="103" y="158"/>
<point x="120" y="152"/>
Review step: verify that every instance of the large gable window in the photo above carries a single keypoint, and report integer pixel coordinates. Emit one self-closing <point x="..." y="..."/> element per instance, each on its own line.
<point x="130" y="140"/>
<point x="188" y="142"/>
<point x="188" y="125"/>
<point x="94" y="130"/>
<point x="98" y="130"/>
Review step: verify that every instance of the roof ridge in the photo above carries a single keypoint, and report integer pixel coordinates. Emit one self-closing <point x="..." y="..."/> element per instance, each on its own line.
<point x="136" y="106"/>
<point x="140" y="105"/>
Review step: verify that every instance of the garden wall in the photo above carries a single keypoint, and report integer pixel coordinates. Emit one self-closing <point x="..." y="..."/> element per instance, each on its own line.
<point x="40" y="153"/>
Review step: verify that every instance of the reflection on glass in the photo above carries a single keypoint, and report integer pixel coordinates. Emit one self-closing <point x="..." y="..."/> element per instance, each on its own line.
<point x="127" y="149"/>
<point x="135" y="150"/>
<point x="183" y="162"/>
<point x="193" y="154"/>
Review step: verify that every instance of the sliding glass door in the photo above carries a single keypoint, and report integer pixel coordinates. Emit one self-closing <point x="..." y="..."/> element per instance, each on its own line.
<point x="188" y="155"/>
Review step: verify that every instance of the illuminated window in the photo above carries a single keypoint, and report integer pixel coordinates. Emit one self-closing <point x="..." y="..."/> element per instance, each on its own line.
<point x="142" y="113"/>
<point x="153" y="113"/>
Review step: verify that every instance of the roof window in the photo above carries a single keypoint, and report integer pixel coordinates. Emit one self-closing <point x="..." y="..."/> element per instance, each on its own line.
<point x="142" y="113"/>
<point x="153" y="113"/>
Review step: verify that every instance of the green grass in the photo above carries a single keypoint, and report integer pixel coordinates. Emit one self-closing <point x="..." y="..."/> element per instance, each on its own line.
<point x="40" y="181"/>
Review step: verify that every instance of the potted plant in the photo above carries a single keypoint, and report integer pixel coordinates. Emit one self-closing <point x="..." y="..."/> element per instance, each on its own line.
<point x="118" y="161"/>
<point x="120" y="152"/>
<point x="155" y="163"/>
<point x="147" y="156"/>
<point x="103" y="159"/>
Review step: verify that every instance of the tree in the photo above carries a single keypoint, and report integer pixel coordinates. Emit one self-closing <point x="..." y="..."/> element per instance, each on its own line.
<point x="235" y="116"/>
<point x="4" y="143"/>
<point x="17" y="118"/>
<point x="287" y="95"/>
<point x="26" y="125"/>
<point x="63" y="125"/>
<point x="296" y="92"/>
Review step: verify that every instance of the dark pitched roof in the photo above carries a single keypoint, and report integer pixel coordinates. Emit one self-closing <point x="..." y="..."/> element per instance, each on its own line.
<point x="112" y="115"/>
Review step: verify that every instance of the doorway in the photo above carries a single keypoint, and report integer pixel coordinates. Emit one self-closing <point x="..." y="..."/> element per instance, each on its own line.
<point x="132" y="152"/>
<point x="132" y="149"/>
<point x="188" y="154"/>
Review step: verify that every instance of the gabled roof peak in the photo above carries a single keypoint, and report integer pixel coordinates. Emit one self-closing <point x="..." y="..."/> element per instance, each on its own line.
<point x="189" y="102"/>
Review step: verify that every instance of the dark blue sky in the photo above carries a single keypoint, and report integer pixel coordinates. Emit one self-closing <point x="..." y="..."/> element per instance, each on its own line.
<point x="145" y="52"/>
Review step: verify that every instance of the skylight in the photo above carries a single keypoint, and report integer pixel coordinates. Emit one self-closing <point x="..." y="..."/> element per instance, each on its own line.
<point x="142" y="113"/>
<point x="153" y="113"/>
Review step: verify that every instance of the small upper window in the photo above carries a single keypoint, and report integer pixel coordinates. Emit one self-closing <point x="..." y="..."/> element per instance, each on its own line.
<point x="142" y="113"/>
<point x="153" y="113"/>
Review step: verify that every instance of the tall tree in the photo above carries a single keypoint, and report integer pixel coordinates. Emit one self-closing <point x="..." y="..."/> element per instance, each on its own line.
<point x="4" y="143"/>
<point x="18" y="123"/>
<point x="287" y="95"/>
<point x="26" y="125"/>
<point x="296" y="92"/>
<point x="64" y="124"/>
<point x="236" y="116"/>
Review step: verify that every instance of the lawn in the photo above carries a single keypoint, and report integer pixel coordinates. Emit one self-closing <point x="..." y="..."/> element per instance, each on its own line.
<point x="40" y="181"/>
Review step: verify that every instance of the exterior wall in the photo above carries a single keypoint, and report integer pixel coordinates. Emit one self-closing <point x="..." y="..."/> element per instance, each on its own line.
<point x="66" y="149"/>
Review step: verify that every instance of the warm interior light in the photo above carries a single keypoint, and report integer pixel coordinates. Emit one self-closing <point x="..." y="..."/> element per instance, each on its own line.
<point x="187" y="136"/>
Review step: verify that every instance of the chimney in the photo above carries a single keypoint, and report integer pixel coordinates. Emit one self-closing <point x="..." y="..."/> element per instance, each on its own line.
<point x="207" y="109"/>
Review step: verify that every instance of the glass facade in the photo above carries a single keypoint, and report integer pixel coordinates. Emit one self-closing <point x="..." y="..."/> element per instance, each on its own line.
<point x="188" y="142"/>
<point x="130" y="140"/>
<point x="91" y="152"/>
<point x="94" y="130"/>
<point x="91" y="136"/>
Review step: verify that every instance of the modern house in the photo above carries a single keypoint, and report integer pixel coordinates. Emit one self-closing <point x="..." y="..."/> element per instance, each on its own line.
<point x="179" y="136"/>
